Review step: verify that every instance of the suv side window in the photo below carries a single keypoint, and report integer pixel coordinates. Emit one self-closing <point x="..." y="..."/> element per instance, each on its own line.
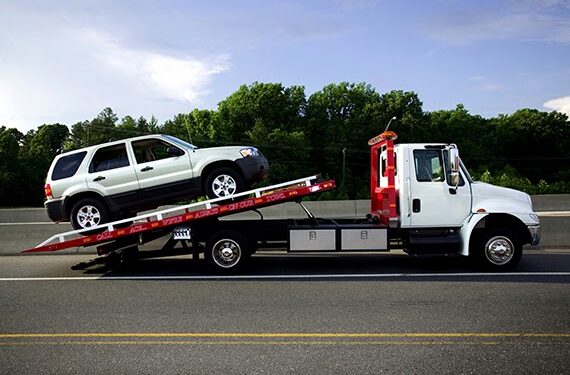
<point x="110" y="157"/>
<point x="429" y="166"/>
<point x="67" y="166"/>
<point x="152" y="149"/>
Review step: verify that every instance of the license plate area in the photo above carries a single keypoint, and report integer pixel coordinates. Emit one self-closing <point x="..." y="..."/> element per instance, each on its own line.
<point x="182" y="233"/>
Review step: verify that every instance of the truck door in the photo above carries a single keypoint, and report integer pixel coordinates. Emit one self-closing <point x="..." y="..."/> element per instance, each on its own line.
<point x="434" y="202"/>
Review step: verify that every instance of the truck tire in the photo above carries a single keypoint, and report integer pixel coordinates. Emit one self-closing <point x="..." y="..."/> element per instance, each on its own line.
<point x="223" y="182"/>
<point x="227" y="251"/>
<point x="87" y="213"/>
<point x="498" y="249"/>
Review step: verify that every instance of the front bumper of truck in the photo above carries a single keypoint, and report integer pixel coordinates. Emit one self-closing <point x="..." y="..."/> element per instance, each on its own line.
<point x="534" y="234"/>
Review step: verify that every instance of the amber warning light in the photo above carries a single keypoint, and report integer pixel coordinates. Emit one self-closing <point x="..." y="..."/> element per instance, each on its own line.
<point x="387" y="135"/>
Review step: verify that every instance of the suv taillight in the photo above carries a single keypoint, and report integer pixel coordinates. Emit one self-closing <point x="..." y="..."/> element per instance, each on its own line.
<point x="48" y="192"/>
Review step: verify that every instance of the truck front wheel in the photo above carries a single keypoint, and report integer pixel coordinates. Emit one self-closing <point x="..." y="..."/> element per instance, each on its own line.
<point x="227" y="251"/>
<point x="498" y="250"/>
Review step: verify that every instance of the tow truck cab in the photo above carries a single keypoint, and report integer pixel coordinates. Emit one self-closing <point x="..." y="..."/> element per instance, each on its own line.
<point x="439" y="206"/>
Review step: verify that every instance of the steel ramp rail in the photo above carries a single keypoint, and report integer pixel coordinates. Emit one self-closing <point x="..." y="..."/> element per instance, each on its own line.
<point x="262" y="197"/>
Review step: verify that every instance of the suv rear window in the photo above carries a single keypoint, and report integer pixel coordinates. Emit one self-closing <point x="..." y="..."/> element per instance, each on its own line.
<point x="110" y="157"/>
<point x="66" y="166"/>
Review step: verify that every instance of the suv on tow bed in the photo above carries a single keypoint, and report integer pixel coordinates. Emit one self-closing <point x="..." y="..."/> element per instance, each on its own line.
<point x="112" y="181"/>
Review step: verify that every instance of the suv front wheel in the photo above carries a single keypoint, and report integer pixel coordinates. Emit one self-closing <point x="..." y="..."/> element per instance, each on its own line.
<point x="223" y="182"/>
<point x="88" y="213"/>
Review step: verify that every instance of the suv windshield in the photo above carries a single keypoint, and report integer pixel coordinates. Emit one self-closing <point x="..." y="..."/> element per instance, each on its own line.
<point x="180" y="142"/>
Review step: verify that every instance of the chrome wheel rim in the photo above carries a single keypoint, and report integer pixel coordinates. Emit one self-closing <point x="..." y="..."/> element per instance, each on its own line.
<point x="88" y="216"/>
<point x="224" y="185"/>
<point x="226" y="253"/>
<point x="499" y="250"/>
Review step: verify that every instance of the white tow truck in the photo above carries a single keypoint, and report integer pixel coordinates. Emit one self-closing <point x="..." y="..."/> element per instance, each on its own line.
<point x="422" y="200"/>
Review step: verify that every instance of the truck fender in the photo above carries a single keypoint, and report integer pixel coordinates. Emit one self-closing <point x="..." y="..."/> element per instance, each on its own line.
<point x="490" y="220"/>
<point x="467" y="230"/>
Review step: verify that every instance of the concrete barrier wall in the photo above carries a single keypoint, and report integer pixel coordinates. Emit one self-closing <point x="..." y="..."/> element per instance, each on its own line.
<point x="27" y="227"/>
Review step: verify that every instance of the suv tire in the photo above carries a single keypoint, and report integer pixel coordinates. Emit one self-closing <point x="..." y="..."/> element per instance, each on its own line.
<point x="223" y="182"/>
<point x="87" y="213"/>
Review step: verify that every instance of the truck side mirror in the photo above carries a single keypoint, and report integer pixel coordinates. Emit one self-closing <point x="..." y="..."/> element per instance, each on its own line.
<point x="454" y="166"/>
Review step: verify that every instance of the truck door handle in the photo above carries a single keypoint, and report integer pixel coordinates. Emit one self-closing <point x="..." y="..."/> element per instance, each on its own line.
<point x="99" y="178"/>
<point x="146" y="169"/>
<point x="416" y="205"/>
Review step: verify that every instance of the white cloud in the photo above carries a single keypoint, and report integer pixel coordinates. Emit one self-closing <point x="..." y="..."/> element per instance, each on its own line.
<point x="559" y="104"/>
<point x="176" y="78"/>
<point x="54" y="71"/>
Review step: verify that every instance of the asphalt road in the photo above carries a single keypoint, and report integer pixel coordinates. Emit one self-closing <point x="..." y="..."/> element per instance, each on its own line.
<point x="381" y="313"/>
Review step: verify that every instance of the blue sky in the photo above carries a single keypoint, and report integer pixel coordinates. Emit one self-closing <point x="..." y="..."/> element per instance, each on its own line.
<point x="64" y="61"/>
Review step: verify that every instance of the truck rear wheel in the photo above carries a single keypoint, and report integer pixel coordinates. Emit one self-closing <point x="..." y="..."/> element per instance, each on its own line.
<point x="498" y="250"/>
<point x="227" y="251"/>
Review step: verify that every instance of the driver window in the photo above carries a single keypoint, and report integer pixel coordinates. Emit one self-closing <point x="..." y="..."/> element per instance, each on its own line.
<point x="429" y="166"/>
<point x="148" y="150"/>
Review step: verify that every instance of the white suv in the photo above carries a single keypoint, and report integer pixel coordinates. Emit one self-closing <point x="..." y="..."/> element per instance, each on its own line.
<point x="114" y="180"/>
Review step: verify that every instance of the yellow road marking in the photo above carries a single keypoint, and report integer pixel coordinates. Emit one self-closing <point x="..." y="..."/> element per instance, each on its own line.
<point x="279" y="335"/>
<point x="426" y="343"/>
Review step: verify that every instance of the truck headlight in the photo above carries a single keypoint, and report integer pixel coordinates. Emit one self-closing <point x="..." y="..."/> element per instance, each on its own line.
<point x="250" y="151"/>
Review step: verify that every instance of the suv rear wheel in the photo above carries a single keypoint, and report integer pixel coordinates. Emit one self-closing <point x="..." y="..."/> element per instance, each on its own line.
<point x="88" y="213"/>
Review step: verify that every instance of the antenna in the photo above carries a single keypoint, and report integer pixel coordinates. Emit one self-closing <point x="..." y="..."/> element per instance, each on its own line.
<point x="389" y="122"/>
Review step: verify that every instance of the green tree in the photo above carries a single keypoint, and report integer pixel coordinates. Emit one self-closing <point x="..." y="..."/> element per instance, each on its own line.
<point x="11" y="178"/>
<point x="199" y="127"/>
<point x="535" y="143"/>
<point x="342" y="118"/>
<point x="40" y="150"/>
<point x="99" y="130"/>
<point x="270" y="104"/>
<point x="470" y="132"/>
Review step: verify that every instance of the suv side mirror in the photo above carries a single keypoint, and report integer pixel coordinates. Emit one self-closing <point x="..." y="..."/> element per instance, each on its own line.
<point x="174" y="151"/>
<point x="454" y="166"/>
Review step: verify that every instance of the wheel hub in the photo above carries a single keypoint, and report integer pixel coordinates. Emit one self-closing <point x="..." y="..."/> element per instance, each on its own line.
<point x="224" y="185"/>
<point x="499" y="250"/>
<point x="88" y="216"/>
<point x="226" y="253"/>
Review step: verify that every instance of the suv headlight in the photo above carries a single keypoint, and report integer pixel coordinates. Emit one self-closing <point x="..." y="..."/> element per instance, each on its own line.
<point x="250" y="151"/>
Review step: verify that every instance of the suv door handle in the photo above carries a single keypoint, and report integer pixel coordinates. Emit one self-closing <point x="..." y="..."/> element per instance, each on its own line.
<point x="146" y="169"/>
<point x="99" y="178"/>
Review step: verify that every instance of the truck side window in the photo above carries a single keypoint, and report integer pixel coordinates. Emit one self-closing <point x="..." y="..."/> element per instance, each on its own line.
<point x="429" y="166"/>
<point x="152" y="149"/>
<point x="109" y="158"/>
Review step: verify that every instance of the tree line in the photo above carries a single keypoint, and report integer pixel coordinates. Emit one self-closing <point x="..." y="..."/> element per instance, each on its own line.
<point x="326" y="132"/>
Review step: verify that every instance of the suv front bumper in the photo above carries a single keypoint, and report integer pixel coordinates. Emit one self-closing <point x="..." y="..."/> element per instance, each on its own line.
<point x="254" y="168"/>
<point x="56" y="210"/>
